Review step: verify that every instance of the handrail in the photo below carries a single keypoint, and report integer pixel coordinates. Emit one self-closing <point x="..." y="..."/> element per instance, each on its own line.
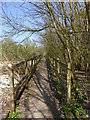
<point x="22" y="62"/>
<point x="56" y="66"/>
<point x="57" y="60"/>
<point x="22" y="82"/>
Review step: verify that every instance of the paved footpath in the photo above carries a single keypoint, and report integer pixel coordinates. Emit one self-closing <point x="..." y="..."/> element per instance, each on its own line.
<point x="38" y="101"/>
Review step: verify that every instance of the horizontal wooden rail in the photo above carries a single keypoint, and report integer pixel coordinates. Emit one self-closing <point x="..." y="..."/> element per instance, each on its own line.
<point x="21" y="63"/>
<point x="58" y="68"/>
<point x="15" y="91"/>
<point x="57" y="60"/>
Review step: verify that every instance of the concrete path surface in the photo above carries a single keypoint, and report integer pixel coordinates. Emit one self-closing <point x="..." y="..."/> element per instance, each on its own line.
<point x="38" y="101"/>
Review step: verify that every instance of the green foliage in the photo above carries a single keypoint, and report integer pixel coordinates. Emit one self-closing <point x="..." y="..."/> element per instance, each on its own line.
<point x="79" y="90"/>
<point x="14" y="115"/>
<point x="75" y="108"/>
<point x="17" y="103"/>
<point x="12" y="51"/>
<point x="66" y="109"/>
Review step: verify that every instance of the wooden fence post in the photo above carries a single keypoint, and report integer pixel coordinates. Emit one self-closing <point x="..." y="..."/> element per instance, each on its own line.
<point x="26" y="69"/>
<point x="19" y="73"/>
<point x="33" y="62"/>
<point x="69" y="82"/>
<point x="54" y="67"/>
<point x="30" y="62"/>
<point x="51" y="65"/>
<point x="58" y="70"/>
<point x="11" y="82"/>
<point x="26" y="72"/>
<point x="31" y="66"/>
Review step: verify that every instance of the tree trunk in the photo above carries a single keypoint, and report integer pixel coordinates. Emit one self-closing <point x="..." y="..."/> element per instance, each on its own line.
<point x="69" y="58"/>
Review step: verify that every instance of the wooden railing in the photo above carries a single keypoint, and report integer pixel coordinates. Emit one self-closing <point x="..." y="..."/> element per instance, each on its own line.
<point x="21" y="72"/>
<point x="57" y="71"/>
<point x="57" y="66"/>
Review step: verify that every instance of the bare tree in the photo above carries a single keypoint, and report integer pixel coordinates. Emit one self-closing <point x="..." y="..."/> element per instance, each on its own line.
<point x="63" y="21"/>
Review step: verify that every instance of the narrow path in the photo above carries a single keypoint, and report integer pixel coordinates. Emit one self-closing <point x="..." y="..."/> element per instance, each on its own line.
<point x="38" y="101"/>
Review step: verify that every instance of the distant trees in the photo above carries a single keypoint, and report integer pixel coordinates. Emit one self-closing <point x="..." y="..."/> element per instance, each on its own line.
<point x="12" y="51"/>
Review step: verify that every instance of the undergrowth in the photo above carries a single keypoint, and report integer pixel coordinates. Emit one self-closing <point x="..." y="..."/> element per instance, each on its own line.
<point x="16" y="114"/>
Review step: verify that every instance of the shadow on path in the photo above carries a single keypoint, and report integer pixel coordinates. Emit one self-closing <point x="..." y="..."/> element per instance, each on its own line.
<point x="38" y="100"/>
<point x="43" y="85"/>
